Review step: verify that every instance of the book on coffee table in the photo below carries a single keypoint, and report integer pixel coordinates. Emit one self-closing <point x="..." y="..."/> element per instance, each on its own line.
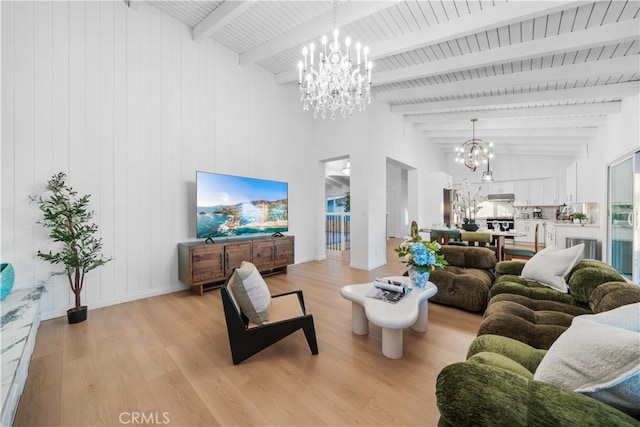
<point x="388" y="291"/>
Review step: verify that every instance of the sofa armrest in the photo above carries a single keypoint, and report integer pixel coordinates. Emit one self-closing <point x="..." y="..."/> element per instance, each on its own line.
<point x="510" y="267"/>
<point x="515" y="350"/>
<point x="473" y="394"/>
<point x="613" y="295"/>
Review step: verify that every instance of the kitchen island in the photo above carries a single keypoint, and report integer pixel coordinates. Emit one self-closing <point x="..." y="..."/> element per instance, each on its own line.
<point x="568" y="230"/>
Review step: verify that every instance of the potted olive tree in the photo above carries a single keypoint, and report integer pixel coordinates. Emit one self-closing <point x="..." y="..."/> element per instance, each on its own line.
<point x="69" y="220"/>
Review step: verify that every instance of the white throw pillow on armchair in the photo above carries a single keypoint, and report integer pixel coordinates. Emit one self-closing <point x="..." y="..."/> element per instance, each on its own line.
<point x="551" y="266"/>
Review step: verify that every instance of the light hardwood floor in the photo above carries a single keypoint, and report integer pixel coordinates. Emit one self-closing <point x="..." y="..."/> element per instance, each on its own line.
<point x="166" y="361"/>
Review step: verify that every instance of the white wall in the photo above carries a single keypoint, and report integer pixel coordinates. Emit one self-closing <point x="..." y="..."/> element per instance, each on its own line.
<point x="371" y="139"/>
<point x="130" y="108"/>
<point x="509" y="167"/>
<point x="620" y="137"/>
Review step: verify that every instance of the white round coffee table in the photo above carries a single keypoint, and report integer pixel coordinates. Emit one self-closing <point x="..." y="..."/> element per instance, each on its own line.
<point x="411" y="311"/>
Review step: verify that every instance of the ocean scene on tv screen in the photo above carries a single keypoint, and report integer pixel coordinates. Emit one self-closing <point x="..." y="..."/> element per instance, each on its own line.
<point x="230" y="205"/>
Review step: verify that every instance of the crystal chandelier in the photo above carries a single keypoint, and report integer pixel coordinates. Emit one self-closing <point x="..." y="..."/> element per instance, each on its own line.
<point x="335" y="83"/>
<point x="474" y="152"/>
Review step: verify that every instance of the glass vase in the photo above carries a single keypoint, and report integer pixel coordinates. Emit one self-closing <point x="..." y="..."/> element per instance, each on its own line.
<point x="419" y="275"/>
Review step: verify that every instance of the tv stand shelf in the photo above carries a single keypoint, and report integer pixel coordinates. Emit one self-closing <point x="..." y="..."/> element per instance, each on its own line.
<point x="204" y="266"/>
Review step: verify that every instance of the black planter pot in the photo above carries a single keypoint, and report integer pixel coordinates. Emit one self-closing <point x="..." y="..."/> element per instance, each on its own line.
<point x="470" y="227"/>
<point x="77" y="315"/>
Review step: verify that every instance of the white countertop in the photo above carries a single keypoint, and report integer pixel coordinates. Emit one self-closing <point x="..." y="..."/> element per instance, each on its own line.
<point x="20" y="321"/>
<point x="571" y="224"/>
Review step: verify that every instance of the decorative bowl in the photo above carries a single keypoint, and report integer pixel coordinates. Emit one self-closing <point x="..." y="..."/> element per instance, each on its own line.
<point x="6" y="279"/>
<point x="470" y="227"/>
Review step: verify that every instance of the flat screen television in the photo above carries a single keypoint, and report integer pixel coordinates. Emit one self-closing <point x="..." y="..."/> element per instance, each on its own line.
<point x="229" y="205"/>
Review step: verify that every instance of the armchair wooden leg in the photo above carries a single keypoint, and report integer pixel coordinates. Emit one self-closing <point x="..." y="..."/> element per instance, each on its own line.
<point x="310" y="334"/>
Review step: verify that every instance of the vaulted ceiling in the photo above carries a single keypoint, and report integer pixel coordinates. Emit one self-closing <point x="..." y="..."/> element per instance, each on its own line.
<point x="540" y="76"/>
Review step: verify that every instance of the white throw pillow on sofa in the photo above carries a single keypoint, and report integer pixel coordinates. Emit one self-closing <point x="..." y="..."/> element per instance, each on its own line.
<point x="598" y="356"/>
<point x="551" y="265"/>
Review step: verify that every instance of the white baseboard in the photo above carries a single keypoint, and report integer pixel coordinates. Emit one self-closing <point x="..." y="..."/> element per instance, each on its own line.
<point x="148" y="293"/>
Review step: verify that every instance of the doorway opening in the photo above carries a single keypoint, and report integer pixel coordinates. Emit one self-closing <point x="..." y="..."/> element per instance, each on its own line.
<point x="338" y="205"/>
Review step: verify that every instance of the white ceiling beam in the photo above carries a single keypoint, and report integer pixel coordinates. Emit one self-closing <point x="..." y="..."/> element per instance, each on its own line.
<point x="516" y="141"/>
<point x="509" y="133"/>
<point x="557" y="110"/>
<point x="493" y="17"/>
<point x="532" y="150"/>
<point x="504" y="14"/>
<point x="584" y="94"/>
<point x="509" y="146"/>
<point x="347" y="13"/>
<point x="217" y="19"/>
<point x="591" y="122"/>
<point x="589" y="70"/>
<point x="577" y="40"/>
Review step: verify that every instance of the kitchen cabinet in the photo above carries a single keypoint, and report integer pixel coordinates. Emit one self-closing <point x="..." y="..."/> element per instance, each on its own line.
<point x="529" y="193"/>
<point x="521" y="191"/>
<point x="536" y="192"/>
<point x="590" y="232"/>
<point x="550" y="192"/>
<point x="572" y="182"/>
<point x="523" y="226"/>
<point x="582" y="182"/>
<point x="502" y="187"/>
<point x="549" y="234"/>
<point x="529" y="227"/>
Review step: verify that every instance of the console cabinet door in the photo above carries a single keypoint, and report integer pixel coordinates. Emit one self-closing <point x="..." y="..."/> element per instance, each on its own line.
<point x="283" y="251"/>
<point x="263" y="254"/>
<point x="235" y="254"/>
<point x="207" y="263"/>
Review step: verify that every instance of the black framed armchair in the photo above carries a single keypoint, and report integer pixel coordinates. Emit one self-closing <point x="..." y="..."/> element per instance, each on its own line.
<point x="287" y="315"/>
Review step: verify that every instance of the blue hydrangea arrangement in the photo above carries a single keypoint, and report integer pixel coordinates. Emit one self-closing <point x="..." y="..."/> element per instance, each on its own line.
<point x="421" y="254"/>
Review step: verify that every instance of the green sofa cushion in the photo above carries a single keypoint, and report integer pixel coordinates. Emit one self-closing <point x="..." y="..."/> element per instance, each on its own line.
<point x="613" y="295"/>
<point x="500" y="361"/>
<point x="516" y="285"/>
<point x="466" y="288"/>
<point x="469" y="257"/>
<point x="476" y="394"/>
<point x="523" y="354"/>
<point x="585" y="279"/>
<point x="510" y="267"/>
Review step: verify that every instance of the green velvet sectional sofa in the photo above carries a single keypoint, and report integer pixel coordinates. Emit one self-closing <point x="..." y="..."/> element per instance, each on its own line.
<point x="495" y="386"/>
<point x="466" y="281"/>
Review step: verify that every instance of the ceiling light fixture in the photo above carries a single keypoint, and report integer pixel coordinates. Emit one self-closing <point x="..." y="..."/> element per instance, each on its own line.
<point x="475" y="151"/>
<point x="337" y="83"/>
<point x="487" y="176"/>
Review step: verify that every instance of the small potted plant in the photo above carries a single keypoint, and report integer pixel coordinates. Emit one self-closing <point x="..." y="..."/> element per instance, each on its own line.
<point x="579" y="217"/>
<point x="69" y="220"/>
<point x="466" y="204"/>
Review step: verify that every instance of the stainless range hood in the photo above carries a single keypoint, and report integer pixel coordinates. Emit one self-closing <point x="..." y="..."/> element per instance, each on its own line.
<point x="502" y="197"/>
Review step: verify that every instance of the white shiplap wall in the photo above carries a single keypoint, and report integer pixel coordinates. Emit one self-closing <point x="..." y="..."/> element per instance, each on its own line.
<point x="130" y="108"/>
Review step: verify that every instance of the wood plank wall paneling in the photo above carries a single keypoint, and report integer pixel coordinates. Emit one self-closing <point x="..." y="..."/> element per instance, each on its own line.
<point x="130" y="107"/>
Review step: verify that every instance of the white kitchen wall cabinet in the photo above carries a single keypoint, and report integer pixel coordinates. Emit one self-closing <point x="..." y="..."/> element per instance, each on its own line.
<point x="550" y="192"/>
<point x="502" y="187"/>
<point x="581" y="181"/>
